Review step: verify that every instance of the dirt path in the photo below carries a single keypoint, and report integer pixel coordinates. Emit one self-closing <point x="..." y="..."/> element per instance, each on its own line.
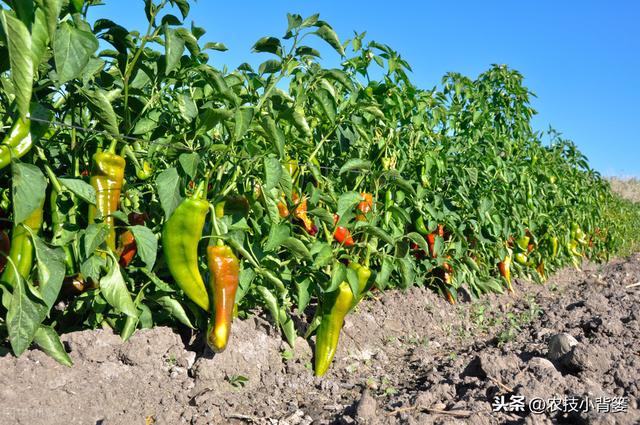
<point x="403" y="358"/>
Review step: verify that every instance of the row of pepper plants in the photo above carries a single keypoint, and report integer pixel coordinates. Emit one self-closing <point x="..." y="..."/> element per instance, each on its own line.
<point x="143" y="185"/>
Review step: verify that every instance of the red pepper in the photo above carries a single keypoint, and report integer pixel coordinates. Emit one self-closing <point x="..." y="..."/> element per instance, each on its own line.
<point x="128" y="246"/>
<point x="342" y="234"/>
<point x="364" y="206"/>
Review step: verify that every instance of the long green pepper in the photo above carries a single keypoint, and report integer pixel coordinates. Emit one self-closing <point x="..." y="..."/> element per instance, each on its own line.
<point x="180" y="237"/>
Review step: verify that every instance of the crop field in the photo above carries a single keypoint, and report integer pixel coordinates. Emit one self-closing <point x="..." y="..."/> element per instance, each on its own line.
<point x="296" y="243"/>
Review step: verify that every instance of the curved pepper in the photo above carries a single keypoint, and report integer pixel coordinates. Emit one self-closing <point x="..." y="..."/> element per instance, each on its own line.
<point x="554" y="246"/>
<point x="301" y="214"/>
<point x="107" y="176"/>
<point x="180" y="237"/>
<point x="505" y="271"/>
<point x="21" y="251"/>
<point x="421" y="226"/>
<point x="17" y="142"/>
<point x="223" y="283"/>
<point x="334" y="310"/>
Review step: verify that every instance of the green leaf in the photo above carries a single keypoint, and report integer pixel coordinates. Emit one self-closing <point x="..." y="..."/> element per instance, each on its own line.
<point x="326" y="33"/>
<point x="297" y="247"/>
<point x="288" y="327"/>
<point x="51" y="270"/>
<point x="175" y="309"/>
<point x="184" y="7"/>
<point x="80" y="188"/>
<point x="379" y="233"/>
<point x="187" y="107"/>
<point x="347" y="201"/>
<point x="407" y="273"/>
<point x="338" y="275"/>
<point x="168" y="183"/>
<point x="304" y="295"/>
<point x="29" y="189"/>
<point x="300" y="122"/>
<point x="189" y="163"/>
<point x="243" y="119"/>
<point x="115" y="291"/>
<point x="268" y="45"/>
<point x="146" y="243"/>
<point x="48" y="340"/>
<point x="215" y="46"/>
<point x="52" y="10"/>
<point x="94" y="236"/>
<point x="103" y="108"/>
<point x="277" y="235"/>
<point x="39" y="39"/>
<point x="273" y="172"/>
<point x="419" y="240"/>
<point x="24" y="316"/>
<point x="324" y="257"/>
<point x="355" y="165"/>
<point x="72" y="49"/>
<point x="382" y="277"/>
<point x="91" y="268"/>
<point x="174" y="48"/>
<point x="275" y="135"/>
<point x="246" y="278"/>
<point x="77" y="5"/>
<point x="18" y="44"/>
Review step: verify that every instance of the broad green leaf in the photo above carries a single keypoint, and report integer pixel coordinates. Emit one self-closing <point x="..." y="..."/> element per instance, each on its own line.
<point x="300" y="122"/>
<point x="94" y="236"/>
<point x="115" y="291"/>
<point x="168" y="184"/>
<point x="187" y="107"/>
<point x="72" y="50"/>
<point x="103" y="109"/>
<point x="24" y="316"/>
<point x="324" y="257"/>
<point x="355" y="165"/>
<point x="24" y="10"/>
<point x="175" y="309"/>
<point x="174" y="48"/>
<point x="326" y="33"/>
<point x="184" y="7"/>
<point x="272" y="171"/>
<point x="48" y="341"/>
<point x="304" y="295"/>
<point x="419" y="240"/>
<point x="347" y="201"/>
<point x="246" y="278"/>
<point x="310" y="21"/>
<point x="29" y="190"/>
<point x="327" y="102"/>
<point x="338" y="275"/>
<point x="274" y="134"/>
<point x="92" y="267"/>
<point x="277" y="235"/>
<point x="407" y="273"/>
<point x="52" y="11"/>
<point x="77" y="5"/>
<point x="39" y="39"/>
<point x="51" y="270"/>
<point x="243" y="119"/>
<point x="297" y="247"/>
<point x="19" y="44"/>
<point x="81" y="189"/>
<point x="189" y="163"/>
<point x="215" y="46"/>
<point x="382" y="277"/>
<point x="269" y="45"/>
<point x="146" y="243"/>
<point x="379" y="233"/>
<point x="270" y="66"/>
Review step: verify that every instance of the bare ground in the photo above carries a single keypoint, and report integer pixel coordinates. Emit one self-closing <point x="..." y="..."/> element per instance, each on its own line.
<point x="407" y="358"/>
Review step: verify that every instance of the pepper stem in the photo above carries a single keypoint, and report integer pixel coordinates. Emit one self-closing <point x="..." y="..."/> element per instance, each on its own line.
<point x="113" y="146"/>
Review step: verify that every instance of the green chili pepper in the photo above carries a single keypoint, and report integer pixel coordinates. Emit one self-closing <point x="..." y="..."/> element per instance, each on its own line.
<point x="107" y="177"/>
<point x="420" y="226"/>
<point x="523" y="243"/>
<point x="521" y="258"/>
<point x="363" y="277"/>
<point x="21" y="251"/>
<point x="180" y="237"/>
<point x="17" y="142"/>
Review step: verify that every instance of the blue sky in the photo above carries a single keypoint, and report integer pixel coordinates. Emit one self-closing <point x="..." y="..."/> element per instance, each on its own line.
<point x="582" y="59"/>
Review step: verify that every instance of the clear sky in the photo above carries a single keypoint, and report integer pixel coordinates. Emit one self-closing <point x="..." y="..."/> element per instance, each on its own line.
<point x="581" y="58"/>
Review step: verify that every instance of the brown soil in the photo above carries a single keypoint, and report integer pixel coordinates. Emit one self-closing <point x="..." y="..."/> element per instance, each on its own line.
<point x="403" y="358"/>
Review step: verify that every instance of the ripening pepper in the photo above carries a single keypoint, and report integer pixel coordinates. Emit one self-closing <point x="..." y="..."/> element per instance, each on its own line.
<point x="282" y="209"/>
<point x="17" y="142"/>
<point x="180" y="237"/>
<point x="521" y="258"/>
<point x="301" y="214"/>
<point x="128" y="247"/>
<point x="334" y="309"/>
<point x="224" y="269"/>
<point x="21" y="251"/>
<point x="107" y="177"/>
<point x="365" y="206"/>
<point x="505" y="271"/>
<point x="342" y="234"/>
